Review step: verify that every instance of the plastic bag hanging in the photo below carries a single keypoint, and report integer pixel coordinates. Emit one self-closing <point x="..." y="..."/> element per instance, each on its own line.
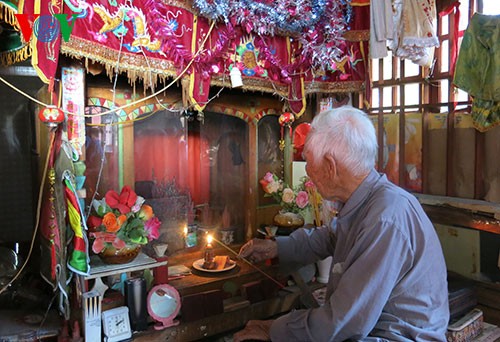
<point x="285" y="120"/>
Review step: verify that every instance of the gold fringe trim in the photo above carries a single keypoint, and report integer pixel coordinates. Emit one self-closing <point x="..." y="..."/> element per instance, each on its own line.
<point x="159" y="70"/>
<point x="133" y="65"/>
<point x="15" y="56"/>
<point x="252" y="84"/>
<point x="7" y="14"/>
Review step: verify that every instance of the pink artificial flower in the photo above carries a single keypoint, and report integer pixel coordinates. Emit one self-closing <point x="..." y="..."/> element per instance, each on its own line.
<point x="152" y="227"/>
<point x="269" y="177"/>
<point x="138" y="204"/>
<point x="302" y="199"/>
<point x="101" y="238"/>
<point x="309" y="184"/>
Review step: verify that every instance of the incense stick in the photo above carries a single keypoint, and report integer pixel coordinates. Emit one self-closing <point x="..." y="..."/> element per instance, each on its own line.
<point x="313" y="195"/>
<point x="248" y="262"/>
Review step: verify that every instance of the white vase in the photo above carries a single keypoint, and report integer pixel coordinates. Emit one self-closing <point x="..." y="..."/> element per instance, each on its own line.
<point x="324" y="267"/>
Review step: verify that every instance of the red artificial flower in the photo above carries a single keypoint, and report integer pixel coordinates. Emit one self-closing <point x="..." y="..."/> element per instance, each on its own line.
<point x="122" y="202"/>
<point x="93" y="222"/>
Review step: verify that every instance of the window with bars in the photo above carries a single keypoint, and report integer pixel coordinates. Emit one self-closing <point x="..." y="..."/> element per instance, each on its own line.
<point x="427" y="140"/>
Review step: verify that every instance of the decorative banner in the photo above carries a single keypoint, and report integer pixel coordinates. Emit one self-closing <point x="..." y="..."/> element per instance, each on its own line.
<point x="73" y="101"/>
<point x="296" y="93"/>
<point x="39" y="23"/>
<point x="199" y="81"/>
<point x="157" y="40"/>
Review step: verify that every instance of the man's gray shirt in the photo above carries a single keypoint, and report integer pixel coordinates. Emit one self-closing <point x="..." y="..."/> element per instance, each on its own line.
<point x="388" y="275"/>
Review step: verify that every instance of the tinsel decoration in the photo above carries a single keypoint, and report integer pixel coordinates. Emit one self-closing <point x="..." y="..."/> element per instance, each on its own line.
<point x="276" y="17"/>
<point x="317" y="24"/>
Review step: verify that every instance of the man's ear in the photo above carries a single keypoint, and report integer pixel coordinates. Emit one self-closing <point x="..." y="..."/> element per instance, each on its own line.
<point x="331" y="165"/>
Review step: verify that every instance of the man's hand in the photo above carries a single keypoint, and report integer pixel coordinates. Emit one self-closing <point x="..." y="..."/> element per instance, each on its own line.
<point x="254" y="330"/>
<point x="257" y="250"/>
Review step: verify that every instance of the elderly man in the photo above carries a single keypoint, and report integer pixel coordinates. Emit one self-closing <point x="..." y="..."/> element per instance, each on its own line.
<point x="388" y="276"/>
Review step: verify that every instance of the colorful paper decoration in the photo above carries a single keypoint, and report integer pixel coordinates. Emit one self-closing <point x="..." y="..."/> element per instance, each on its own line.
<point x="73" y="102"/>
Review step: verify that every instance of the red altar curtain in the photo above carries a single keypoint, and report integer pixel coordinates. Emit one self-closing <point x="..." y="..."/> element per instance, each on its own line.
<point x="160" y="158"/>
<point x="199" y="168"/>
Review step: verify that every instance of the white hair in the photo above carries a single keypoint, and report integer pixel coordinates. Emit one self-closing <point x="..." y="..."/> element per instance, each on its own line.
<point x="347" y="134"/>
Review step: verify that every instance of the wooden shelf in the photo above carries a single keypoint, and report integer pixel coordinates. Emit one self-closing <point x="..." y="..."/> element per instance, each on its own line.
<point x="99" y="269"/>
<point x="460" y="212"/>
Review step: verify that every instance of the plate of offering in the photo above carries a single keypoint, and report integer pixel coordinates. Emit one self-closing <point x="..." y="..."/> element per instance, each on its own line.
<point x="220" y="263"/>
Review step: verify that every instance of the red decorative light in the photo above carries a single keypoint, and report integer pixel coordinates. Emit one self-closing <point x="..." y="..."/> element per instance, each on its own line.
<point x="51" y="116"/>
<point x="286" y="119"/>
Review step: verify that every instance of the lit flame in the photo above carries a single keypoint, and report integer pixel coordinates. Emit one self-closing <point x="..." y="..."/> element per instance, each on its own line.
<point x="209" y="239"/>
<point x="185" y="231"/>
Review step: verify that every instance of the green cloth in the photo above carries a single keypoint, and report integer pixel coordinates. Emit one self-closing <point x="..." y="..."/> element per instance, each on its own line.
<point x="478" y="69"/>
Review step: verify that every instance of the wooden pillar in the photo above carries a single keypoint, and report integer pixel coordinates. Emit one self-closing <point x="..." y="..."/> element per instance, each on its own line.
<point x="287" y="156"/>
<point x="253" y="190"/>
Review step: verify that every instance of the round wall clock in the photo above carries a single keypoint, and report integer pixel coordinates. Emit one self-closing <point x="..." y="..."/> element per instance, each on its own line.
<point x="164" y="303"/>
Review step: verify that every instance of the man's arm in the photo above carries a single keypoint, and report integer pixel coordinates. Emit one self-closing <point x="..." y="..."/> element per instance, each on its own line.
<point x="363" y="284"/>
<point x="306" y="246"/>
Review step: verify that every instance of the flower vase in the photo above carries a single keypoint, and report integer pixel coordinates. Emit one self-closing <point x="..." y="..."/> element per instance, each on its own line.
<point x="111" y="255"/>
<point x="288" y="220"/>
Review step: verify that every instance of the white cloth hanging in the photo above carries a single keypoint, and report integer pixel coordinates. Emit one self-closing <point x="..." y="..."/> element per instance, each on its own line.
<point x="381" y="27"/>
<point x="414" y="35"/>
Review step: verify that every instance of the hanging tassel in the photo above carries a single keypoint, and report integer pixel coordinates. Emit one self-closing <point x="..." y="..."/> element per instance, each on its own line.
<point x="53" y="261"/>
<point x="282" y="140"/>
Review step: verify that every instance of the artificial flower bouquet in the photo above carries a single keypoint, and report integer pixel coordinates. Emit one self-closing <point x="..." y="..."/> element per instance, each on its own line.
<point x="122" y="220"/>
<point x="291" y="199"/>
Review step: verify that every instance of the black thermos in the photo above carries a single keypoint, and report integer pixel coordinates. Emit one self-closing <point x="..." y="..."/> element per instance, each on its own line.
<point x="135" y="299"/>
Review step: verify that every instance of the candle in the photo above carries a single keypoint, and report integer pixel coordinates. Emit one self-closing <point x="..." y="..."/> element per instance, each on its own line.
<point x="209" y="252"/>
